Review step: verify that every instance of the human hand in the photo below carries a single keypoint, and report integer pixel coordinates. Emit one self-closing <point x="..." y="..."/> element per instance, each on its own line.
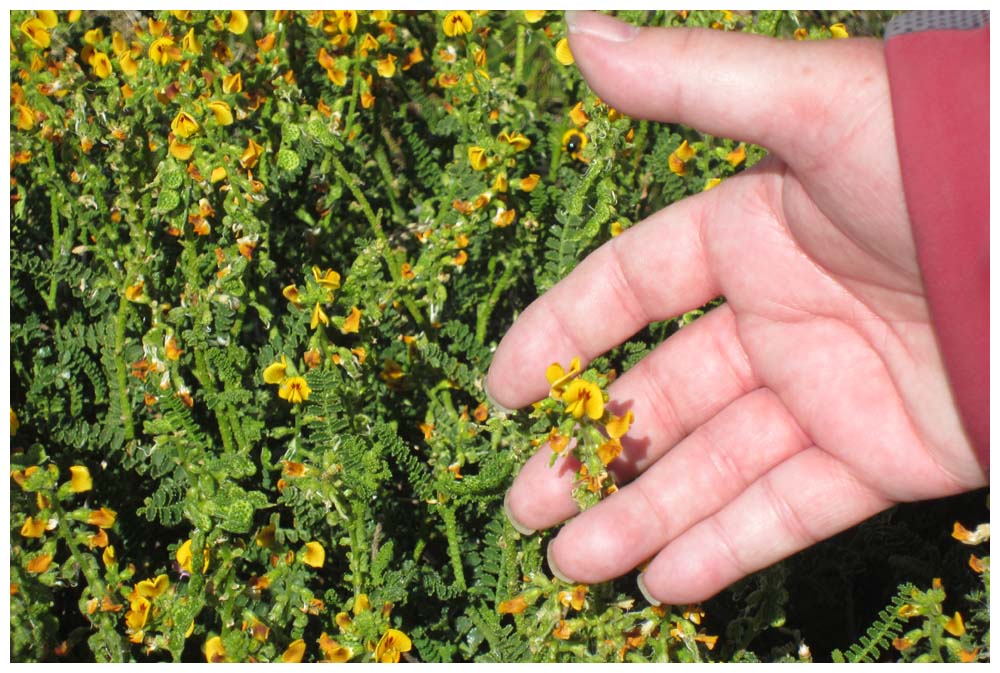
<point x="815" y="396"/>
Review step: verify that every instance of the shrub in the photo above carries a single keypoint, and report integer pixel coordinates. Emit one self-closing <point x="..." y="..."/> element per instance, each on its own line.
<point x="258" y="265"/>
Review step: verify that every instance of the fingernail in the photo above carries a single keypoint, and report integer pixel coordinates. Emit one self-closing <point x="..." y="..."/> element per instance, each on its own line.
<point x="645" y="592"/>
<point x="523" y="530"/>
<point x="553" y="568"/>
<point x="493" y="403"/>
<point x="599" y="25"/>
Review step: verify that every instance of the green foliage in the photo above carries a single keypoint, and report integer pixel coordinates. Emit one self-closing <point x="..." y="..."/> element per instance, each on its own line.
<point x="259" y="264"/>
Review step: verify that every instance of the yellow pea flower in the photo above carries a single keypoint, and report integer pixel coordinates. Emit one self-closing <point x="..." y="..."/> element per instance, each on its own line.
<point x="347" y="21"/>
<point x="276" y="371"/>
<point x="184" y="125"/>
<point x="584" y="397"/>
<point x="102" y="518"/>
<point x="232" y="83"/>
<point x="457" y="23"/>
<point x="318" y="316"/>
<point x="215" y="653"/>
<point x="710" y="183"/>
<point x="533" y="15"/>
<point x="32" y="528"/>
<point x="955" y="626"/>
<point x="191" y="43"/>
<point x="295" y="390"/>
<point x="737" y="156"/>
<point x="238" y="22"/>
<point x="839" y="31"/>
<point x="563" y="54"/>
<point x="108" y="557"/>
<point x="222" y="112"/>
<point x="679" y="157"/>
<point x="609" y="450"/>
<point x="48" y="17"/>
<point x="513" y="606"/>
<point x="163" y="50"/>
<point x="251" y="154"/>
<point x="528" y="183"/>
<point x="574" y="598"/>
<point x="128" y="64"/>
<point x="74" y="15"/>
<point x="183" y="556"/>
<point x="293" y="654"/>
<point x="328" y="278"/>
<point x="333" y="651"/>
<point x="518" y="141"/>
<point x="386" y="67"/>
<point x="25" y="118"/>
<point x="39" y="564"/>
<point x="619" y="425"/>
<point x="477" y="158"/>
<point x="93" y="36"/>
<point x="315" y="555"/>
<point x="180" y="151"/>
<point x="391" y="645"/>
<point x="559" y="377"/>
<point x="352" y="323"/>
<point x="80" y="480"/>
<point x="152" y="588"/>
<point x="34" y="29"/>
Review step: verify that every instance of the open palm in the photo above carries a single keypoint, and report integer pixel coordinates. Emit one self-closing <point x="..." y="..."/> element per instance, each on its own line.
<point x="816" y="395"/>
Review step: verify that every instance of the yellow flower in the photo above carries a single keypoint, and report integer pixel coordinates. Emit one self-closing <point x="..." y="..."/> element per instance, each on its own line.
<point x="563" y="54"/>
<point x="679" y="157"/>
<point x="800" y="34"/>
<point x="238" y="22"/>
<point x="276" y="371"/>
<point x="737" y="156"/>
<point x="152" y="588"/>
<point x="584" y="397"/>
<point x="533" y="15"/>
<point x="25" y="118"/>
<point x="48" y="17"/>
<point x="710" y="183"/>
<point x="190" y="42"/>
<point x="32" y="528"/>
<point x="184" y="556"/>
<point x="368" y="44"/>
<point x="618" y="426"/>
<point x="392" y="643"/>
<point x="180" y="151"/>
<point x="295" y="390"/>
<point x="562" y="631"/>
<point x="575" y="598"/>
<point x="266" y="43"/>
<point x="218" y="173"/>
<point x="839" y="31"/>
<point x="108" y="557"/>
<point x="352" y="323"/>
<point x="333" y="651"/>
<point x="232" y="83"/>
<point x="477" y="158"/>
<point x="315" y="555"/>
<point x="955" y="626"/>
<point x="609" y="450"/>
<point x="102" y="518"/>
<point x="361" y="604"/>
<point x="93" y="36"/>
<point x="39" y="564"/>
<point x="559" y="377"/>
<point x="504" y="218"/>
<point x="518" y="141"/>
<point x="251" y="154"/>
<point x="513" y="606"/>
<point x="291" y="293"/>
<point x="74" y="15"/>
<point x="579" y="117"/>
<point x="35" y="30"/>
<point x="184" y="125"/>
<point x="556" y="441"/>
<point x="347" y="20"/>
<point x="80" y="480"/>
<point x="214" y="651"/>
<point x="318" y="316"/>
<point x="981" y="534"/>
<point x="221" y="110"/>
<point x="163" y="50"/>
<point x="328" y="278"/>
<point x="293" y="653"/>
<point x="386" y="67"/>
<point x="128" y="64"/>
<point x="529" y="183"/>
<point x="573" y="142"/>
<point x="184" y="15"/>
<point x="457" y="23"/>
<point x="138" y="613"/>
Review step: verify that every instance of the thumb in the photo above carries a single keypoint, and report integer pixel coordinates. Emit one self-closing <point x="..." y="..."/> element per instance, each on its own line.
<point x="791" y="97"/>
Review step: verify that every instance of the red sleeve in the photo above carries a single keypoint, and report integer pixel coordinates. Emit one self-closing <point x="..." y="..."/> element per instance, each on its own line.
<point x="939" y="78"/>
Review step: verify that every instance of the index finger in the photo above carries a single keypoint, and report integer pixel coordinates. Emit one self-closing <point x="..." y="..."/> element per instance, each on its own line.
<point x="652" y="271"/>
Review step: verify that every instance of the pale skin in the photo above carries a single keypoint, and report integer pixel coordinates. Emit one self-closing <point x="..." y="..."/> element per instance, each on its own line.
<point x="813" y="398"/>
